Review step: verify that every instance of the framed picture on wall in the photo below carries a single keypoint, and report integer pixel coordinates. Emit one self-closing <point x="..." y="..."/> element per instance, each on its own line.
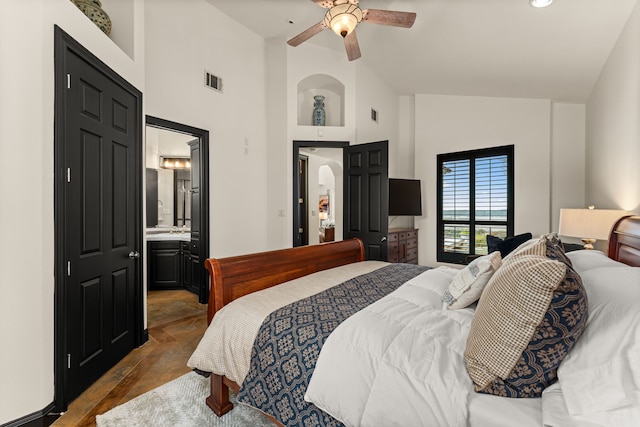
<point x="323" y="203"/>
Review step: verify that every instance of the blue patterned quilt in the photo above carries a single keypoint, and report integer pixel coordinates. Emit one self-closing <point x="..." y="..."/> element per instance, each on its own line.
<point x="288" y="344"/>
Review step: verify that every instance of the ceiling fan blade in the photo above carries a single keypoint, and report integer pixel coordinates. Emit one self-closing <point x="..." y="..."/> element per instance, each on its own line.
<point x="327" y="4"/>
<point x="306" y="34"/>
<point x="389" y="17"/>
<point x="353" y="48"/>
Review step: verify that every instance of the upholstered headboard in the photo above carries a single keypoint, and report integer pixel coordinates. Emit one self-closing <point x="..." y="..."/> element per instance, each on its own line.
<point x="624" y="242"/>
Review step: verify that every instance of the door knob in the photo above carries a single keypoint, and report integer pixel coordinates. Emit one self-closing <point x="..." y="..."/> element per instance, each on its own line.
<point x="134" y="254"/>
<point x="384" y="239"/>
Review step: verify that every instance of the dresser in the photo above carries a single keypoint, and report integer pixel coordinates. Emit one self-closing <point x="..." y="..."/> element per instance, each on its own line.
<point x="403" y="245"/>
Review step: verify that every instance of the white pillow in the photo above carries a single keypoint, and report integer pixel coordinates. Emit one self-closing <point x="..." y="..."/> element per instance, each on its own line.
<point x="600" y="378"/>
<point x="468" y="284"/>
<point x="584" y="260"/>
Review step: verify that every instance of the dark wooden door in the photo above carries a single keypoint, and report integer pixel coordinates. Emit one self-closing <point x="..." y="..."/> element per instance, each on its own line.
<point x="301" y="220"/>
<point x="98" y="168"/>
<point x="152" y="197"/>
<point x="366" y="195"/>
<point x="195" y="247"/>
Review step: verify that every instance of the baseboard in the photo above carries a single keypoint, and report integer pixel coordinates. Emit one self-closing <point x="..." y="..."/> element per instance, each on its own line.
<point x="42" y="418"/>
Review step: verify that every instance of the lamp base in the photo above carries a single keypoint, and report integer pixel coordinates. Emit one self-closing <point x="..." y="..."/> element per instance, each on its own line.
<point x="588" y="243"/>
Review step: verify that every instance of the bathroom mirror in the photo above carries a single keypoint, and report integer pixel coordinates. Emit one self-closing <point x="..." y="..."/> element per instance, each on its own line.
<point x="168" y="172"/>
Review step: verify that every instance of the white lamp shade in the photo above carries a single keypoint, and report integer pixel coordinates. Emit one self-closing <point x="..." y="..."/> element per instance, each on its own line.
<point x="588" y="223"/>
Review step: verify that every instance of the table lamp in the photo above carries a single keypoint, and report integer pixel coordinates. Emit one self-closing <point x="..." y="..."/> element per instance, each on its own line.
<point x="588" y="224"/>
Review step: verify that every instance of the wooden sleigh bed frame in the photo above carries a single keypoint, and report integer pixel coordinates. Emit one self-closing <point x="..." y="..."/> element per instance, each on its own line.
<point x="234" y="277"/>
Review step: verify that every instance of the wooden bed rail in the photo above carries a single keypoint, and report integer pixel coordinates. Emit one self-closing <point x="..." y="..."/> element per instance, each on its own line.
<point x="234" y="277"/>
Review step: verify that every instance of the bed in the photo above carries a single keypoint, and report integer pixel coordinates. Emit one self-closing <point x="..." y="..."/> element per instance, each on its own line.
<point x="288" y="276"/>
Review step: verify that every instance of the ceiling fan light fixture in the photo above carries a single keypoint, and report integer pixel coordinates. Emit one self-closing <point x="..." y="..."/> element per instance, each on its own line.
<point x="540" y="3"/>
<point x="343" y="18"/>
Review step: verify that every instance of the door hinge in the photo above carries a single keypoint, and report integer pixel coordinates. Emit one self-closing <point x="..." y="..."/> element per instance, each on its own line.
<point x="69" y="268"/>
<point x="69" y="361"/>
<point x="68" y="174"/>
<point x="68" y="81"/>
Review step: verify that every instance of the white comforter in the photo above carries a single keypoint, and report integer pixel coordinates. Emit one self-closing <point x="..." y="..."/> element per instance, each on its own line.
<point x="399" y="361"/>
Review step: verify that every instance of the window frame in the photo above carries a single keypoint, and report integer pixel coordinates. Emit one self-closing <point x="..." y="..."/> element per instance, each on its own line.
<point x="472" y="156"/>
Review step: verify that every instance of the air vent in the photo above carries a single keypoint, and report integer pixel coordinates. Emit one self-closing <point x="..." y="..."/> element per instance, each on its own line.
<point x="212" y="82"/>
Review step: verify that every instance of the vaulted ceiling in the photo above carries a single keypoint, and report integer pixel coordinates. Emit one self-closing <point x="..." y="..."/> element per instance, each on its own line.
<point x="500" y="48"/>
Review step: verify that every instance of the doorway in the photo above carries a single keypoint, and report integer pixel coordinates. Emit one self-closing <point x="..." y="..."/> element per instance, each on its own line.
<point x="195" y="193"/>
<point x="317" y="208"/>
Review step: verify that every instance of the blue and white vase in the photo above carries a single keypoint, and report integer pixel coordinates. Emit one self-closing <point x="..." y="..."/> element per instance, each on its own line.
<point x="319" y="116"/>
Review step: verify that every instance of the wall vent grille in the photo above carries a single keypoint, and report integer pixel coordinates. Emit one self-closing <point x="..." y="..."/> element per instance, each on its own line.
<point x="212" y="81"/>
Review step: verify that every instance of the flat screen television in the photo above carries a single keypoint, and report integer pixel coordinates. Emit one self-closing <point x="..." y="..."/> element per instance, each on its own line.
<point x="405" y="197"/>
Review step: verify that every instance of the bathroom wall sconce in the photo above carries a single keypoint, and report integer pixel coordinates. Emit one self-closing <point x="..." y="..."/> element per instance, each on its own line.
<point x="175" y="162"/>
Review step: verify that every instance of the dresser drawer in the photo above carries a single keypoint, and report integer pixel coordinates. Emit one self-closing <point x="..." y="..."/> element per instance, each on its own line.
<point x="412" y="243"/>
<point x="403" y="245"/>
<point x="393" y="252"/>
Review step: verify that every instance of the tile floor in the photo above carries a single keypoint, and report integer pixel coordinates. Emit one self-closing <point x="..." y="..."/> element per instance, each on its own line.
<point x="176" y="322"/>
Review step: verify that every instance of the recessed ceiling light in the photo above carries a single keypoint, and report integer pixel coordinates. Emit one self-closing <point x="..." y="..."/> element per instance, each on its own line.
<point x="540" y="3"/>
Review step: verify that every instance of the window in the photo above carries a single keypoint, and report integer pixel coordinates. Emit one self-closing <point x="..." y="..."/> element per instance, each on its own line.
<point x="475" y="198"/>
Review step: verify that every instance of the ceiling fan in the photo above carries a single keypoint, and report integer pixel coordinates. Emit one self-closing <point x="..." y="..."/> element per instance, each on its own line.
<point x="344" y="15"/>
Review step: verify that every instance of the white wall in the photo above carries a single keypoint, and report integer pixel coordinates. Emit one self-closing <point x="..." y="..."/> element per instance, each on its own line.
<point x="446" y="124"/>
<point x="567" y="159"/>
<point x="613" y="127"/>
<point x="177" y="56"/>
<point x="26" y="135"/>
<point x="363" y="90"/>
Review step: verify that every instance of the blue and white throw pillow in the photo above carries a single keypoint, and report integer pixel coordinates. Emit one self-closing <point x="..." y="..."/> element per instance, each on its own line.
<point x="467" y="286"/>
<point x="528" y="319"/>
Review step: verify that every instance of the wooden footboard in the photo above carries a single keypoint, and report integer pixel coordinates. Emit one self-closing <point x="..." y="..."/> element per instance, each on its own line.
<point x="234" y="277"/>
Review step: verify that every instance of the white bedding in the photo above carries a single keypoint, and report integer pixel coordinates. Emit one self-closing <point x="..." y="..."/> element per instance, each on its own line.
<point x="411" y="371"/>
<point x="405" y="352"/>
<point x="226" y="346"/>
<point x="402" y="352"/>
<point x="599" y="381"/>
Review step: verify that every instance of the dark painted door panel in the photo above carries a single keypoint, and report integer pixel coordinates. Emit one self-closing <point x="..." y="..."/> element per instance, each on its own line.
<point x="366" y="196"/>
<point x="101" y="222"/>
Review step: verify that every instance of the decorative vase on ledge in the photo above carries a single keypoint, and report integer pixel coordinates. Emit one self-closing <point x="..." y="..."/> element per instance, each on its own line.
<point x="93" y="10"/>
<point x="319" y="115"/>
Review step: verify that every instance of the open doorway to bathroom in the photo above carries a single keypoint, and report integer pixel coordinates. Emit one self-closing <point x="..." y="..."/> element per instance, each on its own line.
<point x="177" y="205"/>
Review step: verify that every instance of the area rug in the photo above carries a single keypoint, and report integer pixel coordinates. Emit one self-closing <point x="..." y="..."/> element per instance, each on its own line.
<point x="179" y="403"/>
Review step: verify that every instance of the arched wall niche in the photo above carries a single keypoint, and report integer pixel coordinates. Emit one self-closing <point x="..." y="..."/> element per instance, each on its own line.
<point x="332" y="90"/>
